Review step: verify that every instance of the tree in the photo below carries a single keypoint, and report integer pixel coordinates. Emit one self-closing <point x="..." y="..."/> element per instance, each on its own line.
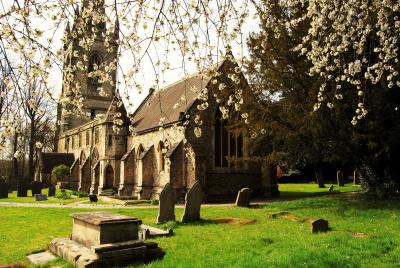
<point x="288" y="117"/>
<point x="39" y="109"/>
<point x="61" y="172"/>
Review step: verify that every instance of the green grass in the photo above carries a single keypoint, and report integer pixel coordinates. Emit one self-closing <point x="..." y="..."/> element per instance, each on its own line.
<point x="266" y="243"/>
<point x="292" y="190"/>
<point x="12" y="198"/>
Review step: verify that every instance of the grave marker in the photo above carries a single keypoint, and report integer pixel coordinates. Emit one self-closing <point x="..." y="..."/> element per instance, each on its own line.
<point x="243" y="198"/>
<point x="193" y="200"/>
<point x="166" y="205"/>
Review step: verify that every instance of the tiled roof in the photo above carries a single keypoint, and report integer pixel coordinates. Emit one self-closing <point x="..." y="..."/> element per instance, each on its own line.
<point x="161" y="103"/>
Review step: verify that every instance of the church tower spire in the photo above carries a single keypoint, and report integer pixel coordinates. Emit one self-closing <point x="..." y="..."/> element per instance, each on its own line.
<point x="89" y="63"/>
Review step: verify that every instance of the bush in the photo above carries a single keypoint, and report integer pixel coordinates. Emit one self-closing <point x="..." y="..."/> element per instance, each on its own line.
<point x="80" y="194"/>
<point x="64" y="195"/>
<point x="154" y="202"/>
<point x="61" y="172"/>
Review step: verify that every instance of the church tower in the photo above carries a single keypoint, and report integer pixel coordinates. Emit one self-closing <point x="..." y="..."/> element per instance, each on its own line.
<point x="90" y="62"/>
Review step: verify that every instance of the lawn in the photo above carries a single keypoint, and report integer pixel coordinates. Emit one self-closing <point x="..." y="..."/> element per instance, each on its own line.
<point x="12" y="198"/>
<point x="289" y="190"/>
<point x="266" y="243"/>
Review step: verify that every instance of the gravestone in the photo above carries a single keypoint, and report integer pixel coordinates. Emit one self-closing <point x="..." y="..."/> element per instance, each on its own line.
<point x="340" y="180"/>
<point x="40" y="197"/>
<point x="356" y="177"/>
<point x="22" y="188"/>
<point x="166" y="205"/>
<point x="243" y="198"/>
<point x="102" y="239"/>
<point x="3" y="190"/>
<point x="193" y="200"/>
<point x="319" y="225"/>
<point x="36" y="187"/>
<point x="93" y="198"/>
<point x="52" y="190"/>
<point x="331" y="188"/>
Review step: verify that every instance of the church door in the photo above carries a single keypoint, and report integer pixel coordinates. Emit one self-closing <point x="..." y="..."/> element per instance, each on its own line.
<point x="109" y="178"/>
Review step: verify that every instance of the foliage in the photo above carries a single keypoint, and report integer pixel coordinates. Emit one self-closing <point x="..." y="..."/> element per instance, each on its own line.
<point x="287" y="120"/>
<point x="154" y="202"/>
<point x="61" y="172"/>
<point x="80" y="194"/>
<point x="64" y="195"/>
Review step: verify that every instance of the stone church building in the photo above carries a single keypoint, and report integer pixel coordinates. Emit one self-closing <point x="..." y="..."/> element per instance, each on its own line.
<point x="103" y="160"/>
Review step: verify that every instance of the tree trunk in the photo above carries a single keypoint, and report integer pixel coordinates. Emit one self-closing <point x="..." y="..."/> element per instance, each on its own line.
<point x="15" y="160"/>
<point x="32" y="138"/>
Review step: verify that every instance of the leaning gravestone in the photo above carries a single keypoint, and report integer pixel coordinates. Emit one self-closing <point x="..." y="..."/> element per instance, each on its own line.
<point x="319" y="225"/>
<point x="40" y="197"/>
<point x="340" y="180"/>
<point x="243" y="198"/>
<point x="193" y="200"/>
<point x="52" y="190"/>
<point x="3" y="190"/>
<point x="36" y="188"/>
<point x="166" y="205"/>
<point x="331" y="188"/>
<point x="22" y="188"/>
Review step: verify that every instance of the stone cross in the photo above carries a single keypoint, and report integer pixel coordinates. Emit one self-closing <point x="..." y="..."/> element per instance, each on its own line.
<point x="340" y="180"/>
<point x="193" y="200"/>
<point x="243" y="198"/>
<point x="166" y="205"/>
<point x="3" y="190"/>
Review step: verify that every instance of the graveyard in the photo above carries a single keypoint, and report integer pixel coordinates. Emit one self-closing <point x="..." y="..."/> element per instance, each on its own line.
<point x="361" y="232"/>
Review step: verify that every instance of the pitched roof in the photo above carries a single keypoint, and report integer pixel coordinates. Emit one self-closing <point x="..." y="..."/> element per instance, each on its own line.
<point x="47" y="161"/>
<point x="161" y="103"/>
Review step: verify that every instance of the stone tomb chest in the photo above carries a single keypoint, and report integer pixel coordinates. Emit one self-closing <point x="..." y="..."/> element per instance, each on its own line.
<point x="93" y="229"/>
<point x="102" y="239"/>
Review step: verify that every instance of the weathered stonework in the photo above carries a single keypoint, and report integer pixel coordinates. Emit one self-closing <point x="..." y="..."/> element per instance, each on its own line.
<point x="104" y="240"/>
<point x="140" y="165"/>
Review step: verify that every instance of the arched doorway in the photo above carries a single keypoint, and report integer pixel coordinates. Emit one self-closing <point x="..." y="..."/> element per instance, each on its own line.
<point x="109" y="178"/>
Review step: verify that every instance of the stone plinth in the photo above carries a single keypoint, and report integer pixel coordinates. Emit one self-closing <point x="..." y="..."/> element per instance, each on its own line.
<point x="93" y="229"/>
<point x="103" y="239"/>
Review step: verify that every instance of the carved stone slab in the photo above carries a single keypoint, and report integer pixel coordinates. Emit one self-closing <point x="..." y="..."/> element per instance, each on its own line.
<point x="96" y="228"/>
<point x="193" y="200"/>
<point x="166" y="205"/>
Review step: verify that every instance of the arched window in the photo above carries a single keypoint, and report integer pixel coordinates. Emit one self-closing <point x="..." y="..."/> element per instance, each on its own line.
<point x="161" y="156"/>
<point x="228" y="140"/>
<point x="94" y="64"/>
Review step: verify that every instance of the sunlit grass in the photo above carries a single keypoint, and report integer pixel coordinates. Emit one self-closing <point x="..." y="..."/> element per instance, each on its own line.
<point x="266" y="243"/>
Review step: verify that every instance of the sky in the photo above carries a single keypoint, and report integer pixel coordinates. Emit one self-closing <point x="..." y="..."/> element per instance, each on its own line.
<point x="146" y="76"/>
